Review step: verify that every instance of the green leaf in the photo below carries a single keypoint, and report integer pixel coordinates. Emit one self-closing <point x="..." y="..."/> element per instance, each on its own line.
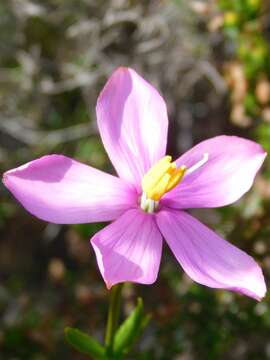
<point x="84" y="343"/>
<point x="130" y="330"/>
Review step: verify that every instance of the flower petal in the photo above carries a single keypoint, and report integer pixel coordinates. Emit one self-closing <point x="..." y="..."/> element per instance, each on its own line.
<point x="129" y="249"/>
<point x="61" y="190"/>
<point x="229" y="172"/>
<point x="207" y="258"/>
<point x="132" y="120"/>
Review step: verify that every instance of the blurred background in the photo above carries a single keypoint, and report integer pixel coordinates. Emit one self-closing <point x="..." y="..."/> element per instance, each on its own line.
<point x="211" y="62"/>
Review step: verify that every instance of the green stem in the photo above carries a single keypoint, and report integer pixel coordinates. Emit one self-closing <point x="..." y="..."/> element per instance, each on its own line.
<point x="112" y="321"/>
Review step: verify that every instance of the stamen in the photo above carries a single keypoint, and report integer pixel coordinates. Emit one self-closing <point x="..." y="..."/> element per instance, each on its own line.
<point x="148" y="205"/>
<point x="162" y="178"/>
<point x="143" y="198"/>
<point x="151" y="206"/>
<point x="178" y="174"/>
<point x="198" y="164"/>
<point x="153" y="176"/>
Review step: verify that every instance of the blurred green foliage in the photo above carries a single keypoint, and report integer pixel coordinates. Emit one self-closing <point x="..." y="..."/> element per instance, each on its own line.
<point x="245" y="24"/>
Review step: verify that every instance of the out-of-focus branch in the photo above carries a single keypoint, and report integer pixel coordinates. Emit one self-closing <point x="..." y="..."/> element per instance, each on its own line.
<point x="31" y="137"/>
<point x="211" y="73"/>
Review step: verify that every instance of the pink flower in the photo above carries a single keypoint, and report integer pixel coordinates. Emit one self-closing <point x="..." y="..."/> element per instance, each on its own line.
<point x="147" y="202"/>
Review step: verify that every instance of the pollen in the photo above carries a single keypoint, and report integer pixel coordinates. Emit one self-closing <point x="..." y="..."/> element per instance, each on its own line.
<point x="161" y="178"/>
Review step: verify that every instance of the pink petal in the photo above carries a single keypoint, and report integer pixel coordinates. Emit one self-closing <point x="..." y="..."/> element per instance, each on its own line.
<point x="132" y="120"/>
<point x="207" y="258"/>
<point x="229" y="173"/>
<point x="129" y="249"/>
<point x="58" y="189"/>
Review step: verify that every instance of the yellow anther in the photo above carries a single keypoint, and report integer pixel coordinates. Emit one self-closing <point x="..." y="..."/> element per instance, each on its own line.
<point x="161" y="178"/>
<point x="176" y="178"/>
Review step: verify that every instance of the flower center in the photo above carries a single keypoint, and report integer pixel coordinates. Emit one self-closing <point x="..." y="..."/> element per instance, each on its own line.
<point x="163" y="177"/>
